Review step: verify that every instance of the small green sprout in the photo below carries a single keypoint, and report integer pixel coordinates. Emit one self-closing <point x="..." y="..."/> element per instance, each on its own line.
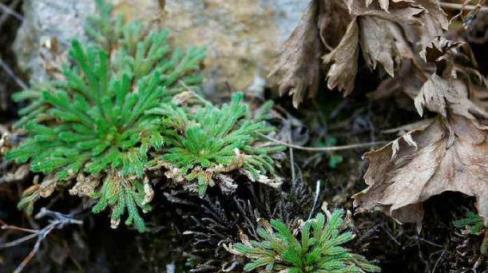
<point x="216" y="140"/>
<point x="473" y="223"/>
<point x="317" y="249"/>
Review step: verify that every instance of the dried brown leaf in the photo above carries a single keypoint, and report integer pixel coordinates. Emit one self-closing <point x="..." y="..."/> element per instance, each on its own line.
<point x="380" y="37"/>
<point x="435" y="11"/>
<point x="384" y="4"/>
<point x="389" y="32"/>
<point x="343" y="61"/>
<point x="382" y="41"/>
<point x="404" y="14"/>
<point x="438" y="48"/>
<point x="448" y="154"/>
<point x="299" y="65"/>
<point x="407" y="81"/>
<point x="447" y="96"/>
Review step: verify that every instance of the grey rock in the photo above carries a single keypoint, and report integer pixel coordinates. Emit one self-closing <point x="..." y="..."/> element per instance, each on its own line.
<point x="286" y="15"/>
<point x="47" y="22"/>
<point x="243" y="37"/>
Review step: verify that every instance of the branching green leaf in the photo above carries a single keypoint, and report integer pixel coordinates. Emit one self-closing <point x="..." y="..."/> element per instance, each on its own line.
<point x="117" y="112"/>
<point x="219" y="140"/>
<point x="319" y="249"/>
<point x="472" y="222"/>
<point x="97" y="121"/>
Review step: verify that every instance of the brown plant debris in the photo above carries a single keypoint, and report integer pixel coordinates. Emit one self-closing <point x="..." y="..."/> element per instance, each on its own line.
<point x="300" y="61"/>
<point x="333" y="32"/>
<point x="450" y="153"/>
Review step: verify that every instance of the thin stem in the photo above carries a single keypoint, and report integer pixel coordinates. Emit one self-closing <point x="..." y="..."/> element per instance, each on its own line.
<point x="456" y="6"/>
<point x="326" y="149"/>
<point x="292" y="163"/>
<point x="57" y="221"/>
<point x="9" y="11"/>
<point x="195" y="94"/>
<point x="316" y="199"/>
<point x="11" y="73"/>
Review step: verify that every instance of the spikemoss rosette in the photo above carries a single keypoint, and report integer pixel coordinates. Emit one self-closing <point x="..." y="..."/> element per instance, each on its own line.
<point x="317" y="249"/>
<point x="97" y="120"/>
<point x="210" y="142"/>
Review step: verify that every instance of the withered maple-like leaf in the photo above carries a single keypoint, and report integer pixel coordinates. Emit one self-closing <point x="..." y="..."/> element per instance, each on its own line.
<point x="343" y="60"/>
<point x="380" y="37"/>
<point x="382" y="42"/>
<point x="448" y="154"/>
<point x="299" y="66"/>
<point x="447" y="96"/>
<point x="386" y="31"/>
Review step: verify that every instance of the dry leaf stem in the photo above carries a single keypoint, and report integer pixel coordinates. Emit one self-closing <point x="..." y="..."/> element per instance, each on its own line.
<point x="325" y="149"/>
<point x="463" y="7"/>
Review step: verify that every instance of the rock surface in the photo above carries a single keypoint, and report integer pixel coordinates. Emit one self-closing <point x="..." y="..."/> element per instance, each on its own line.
<point x="47" y="24"/>
<point x="50" y="25"/>
<point x="243" y="37"/>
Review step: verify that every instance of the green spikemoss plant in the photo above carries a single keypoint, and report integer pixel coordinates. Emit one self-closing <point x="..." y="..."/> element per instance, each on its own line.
<point x="472" y="223"/>
<point x="97" y="120"/>
<point x="317" y="248"/>
<point x="123" y="107"/>
<point x="211" y="141"/>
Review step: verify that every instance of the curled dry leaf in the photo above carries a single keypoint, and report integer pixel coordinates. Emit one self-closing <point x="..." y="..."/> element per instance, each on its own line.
<point x="379" y="34"/>
<point x="450" y="153"/>
<point x="384" y="43"/>
<point x="299" y="64"/>
<point x="388" y="32"/>
<point x="414" y="73"/>
<point x="299" y="67"/>
<point x="384" y="4"/>
<point x="343" y="58"/>
<point x="444" y="97"/>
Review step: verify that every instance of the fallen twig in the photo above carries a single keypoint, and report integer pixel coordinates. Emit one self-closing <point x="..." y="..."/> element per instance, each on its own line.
<point x="9" y="11"/>
<point x="11" y="73"/>
<point x="57" y="221"/>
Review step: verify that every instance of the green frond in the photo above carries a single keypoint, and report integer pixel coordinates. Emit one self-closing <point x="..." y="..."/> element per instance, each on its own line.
<point x="99" y="119"/>
<point x="122" y="196"/>
<point x="472" y="223"/>
<point x="317" y="248"/>
<point x="218" y="140"/>
<point x="116" y="112"/>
